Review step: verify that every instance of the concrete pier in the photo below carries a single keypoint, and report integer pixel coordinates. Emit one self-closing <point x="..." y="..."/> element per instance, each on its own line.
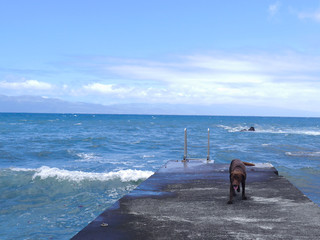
<point x="188" y="200"/>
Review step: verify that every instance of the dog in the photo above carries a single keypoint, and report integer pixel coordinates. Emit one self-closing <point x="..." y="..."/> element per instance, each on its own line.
<point x="238" y="175"/>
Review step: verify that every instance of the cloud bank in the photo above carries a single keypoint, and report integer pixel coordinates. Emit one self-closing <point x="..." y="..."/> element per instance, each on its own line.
<point x="26" y="84"/>
<point x="286" y="80"/>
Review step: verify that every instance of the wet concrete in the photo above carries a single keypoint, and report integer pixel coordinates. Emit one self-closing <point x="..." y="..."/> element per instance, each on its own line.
<point x="189" y="201"/>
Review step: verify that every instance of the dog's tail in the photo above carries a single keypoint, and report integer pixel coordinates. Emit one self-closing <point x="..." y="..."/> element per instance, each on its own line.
<point x="248" y="164"/>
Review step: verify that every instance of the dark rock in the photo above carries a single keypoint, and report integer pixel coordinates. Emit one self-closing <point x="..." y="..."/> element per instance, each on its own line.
<point x="251" y="129"/>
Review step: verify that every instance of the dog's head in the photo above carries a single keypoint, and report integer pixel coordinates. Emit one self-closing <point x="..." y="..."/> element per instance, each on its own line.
<point x="236" y="178"/>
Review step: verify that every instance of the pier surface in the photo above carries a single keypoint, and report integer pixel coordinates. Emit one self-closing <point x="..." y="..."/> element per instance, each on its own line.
<point x="188" y="200"/>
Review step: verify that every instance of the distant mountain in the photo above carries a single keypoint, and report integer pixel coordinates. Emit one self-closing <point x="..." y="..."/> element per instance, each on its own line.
<point x="33" y="104"/>
<point x="45" y="105"/>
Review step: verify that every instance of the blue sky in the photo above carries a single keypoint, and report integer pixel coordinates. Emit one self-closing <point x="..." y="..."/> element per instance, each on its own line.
<point x="262" y="54"/>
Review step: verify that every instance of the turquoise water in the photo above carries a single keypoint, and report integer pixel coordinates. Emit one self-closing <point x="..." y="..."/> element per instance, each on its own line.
<point x="59" y="171"/>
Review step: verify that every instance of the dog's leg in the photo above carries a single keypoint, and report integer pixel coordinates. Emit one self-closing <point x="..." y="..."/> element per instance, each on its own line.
<point x="243" y="190"/>
<point x="232" y="192"/>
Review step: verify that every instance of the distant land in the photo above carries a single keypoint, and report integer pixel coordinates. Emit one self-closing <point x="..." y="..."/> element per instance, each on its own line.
<point x="35" y="104"/>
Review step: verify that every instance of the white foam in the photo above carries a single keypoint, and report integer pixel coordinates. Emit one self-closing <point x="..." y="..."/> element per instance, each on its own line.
<point x="290" y="131"/>
<point x="21" y="169"/>
<point x="232" y="129"/>
<point x="303" y="154"/>
<point x="87" y="157"/>
<point x="273" y="130"/>
<point x="314" y="133"/>
<point x="128" y="175"/>
<point x="263" y="165"/>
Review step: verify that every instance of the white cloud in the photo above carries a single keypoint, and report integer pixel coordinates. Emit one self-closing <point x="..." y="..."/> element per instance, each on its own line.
<point x="28" y="85"/>
<point x="315" y="15"/>
<point x="274" y="8"/>
<point x="106" y="88"/>
<point x="284" y="80"/>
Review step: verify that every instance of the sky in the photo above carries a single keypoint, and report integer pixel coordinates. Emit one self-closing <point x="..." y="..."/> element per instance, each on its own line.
<point x="258" y="54"/>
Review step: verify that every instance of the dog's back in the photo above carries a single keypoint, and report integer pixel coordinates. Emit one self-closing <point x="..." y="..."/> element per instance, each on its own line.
<point x="237" y="164"/>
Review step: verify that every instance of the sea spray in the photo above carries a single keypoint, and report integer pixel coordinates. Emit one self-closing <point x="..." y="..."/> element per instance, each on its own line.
<point x="128" y="175"/>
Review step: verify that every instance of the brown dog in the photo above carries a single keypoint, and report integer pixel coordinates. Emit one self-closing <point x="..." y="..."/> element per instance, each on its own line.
<point x="238" y="175"/>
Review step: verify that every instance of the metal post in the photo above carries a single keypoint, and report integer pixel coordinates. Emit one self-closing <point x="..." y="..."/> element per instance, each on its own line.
<point x="208" y="156"/>
<point x="185" y="145"/>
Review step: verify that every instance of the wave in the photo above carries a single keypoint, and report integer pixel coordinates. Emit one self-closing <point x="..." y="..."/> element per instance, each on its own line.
<point x="263" y="165"/>
<point x="303" y="154"/>
<point x="290" y="131"/>
<point x="87" y="157"/>
<point x="259" y="129"/>
<point x="232" y="129"/>
<point x="45" y="172"/>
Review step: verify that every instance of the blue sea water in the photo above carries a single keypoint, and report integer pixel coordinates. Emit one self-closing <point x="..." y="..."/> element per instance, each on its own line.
<point x="59" y="171"/>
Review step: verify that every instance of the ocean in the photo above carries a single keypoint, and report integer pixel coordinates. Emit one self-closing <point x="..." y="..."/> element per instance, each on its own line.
<point x="58" y="172"/>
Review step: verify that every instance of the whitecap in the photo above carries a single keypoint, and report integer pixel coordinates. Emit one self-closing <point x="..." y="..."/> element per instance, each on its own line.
<point x="290" y="131"/>
<point x="45" y="172"/>
<point x="313" y="133"/>
<point x="263" y="165"/>
<point x="238" y="128"/>
<point x="303" y="154"/>
<point x="230" y="129"/>
<point x="84" y="157"/>
<point x="273" y="130"/>
<point x="87" y="157"/>
<point x="17" y="169"/>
